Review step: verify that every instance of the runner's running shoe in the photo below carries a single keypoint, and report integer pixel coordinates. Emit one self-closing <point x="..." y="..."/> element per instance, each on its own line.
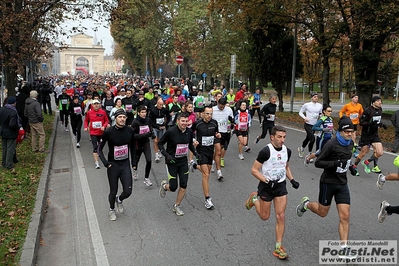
<point x="219" y="174"/>
<point x="222" y="162"/>
<point x="300" y="152"/>
<point x="249" y="203"/>
<point x="376" y="169"/>
<point x="240" y="156"/>
<point x="177" y="210"/>
<point x="134" y="174"/>
<point x="380" y="183"/>
<point x="112" y="215"/>
<point x="280" y="253"/>
<point x="147" y="182"/>
<point x="301" y="209"/>
<point x="119" y="206"/>
<point x="96" y="165"/>
<point x="383" y="213"/>
<point x="366" y="166"/>
<point x="208" y="204"/>
<point x="162" y="190"/>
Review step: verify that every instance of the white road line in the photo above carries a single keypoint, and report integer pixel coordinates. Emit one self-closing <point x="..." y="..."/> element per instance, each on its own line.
<point x="97" y="240"/>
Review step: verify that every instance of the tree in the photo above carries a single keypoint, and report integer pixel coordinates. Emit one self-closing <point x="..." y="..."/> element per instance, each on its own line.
<point x="30" y="28"/>
<point x="369" y="25"/>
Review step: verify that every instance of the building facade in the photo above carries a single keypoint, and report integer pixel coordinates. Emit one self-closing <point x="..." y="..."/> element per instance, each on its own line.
<point x="83" y="56"/>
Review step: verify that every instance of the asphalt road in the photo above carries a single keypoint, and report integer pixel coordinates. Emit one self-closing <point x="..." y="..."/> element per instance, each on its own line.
<point x="77" y="230"/>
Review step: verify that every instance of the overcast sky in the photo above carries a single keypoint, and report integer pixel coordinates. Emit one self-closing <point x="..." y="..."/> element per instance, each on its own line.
<point x="103" y="33"/>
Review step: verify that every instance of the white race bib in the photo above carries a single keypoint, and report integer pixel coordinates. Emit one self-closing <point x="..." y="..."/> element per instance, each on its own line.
<point x="121" y="152"/>
<point x="207" y="141"/>
<point x="97" y="124"/>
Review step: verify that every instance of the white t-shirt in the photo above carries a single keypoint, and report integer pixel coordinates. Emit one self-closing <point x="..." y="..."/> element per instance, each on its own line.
<point x="313" y="111"/>
<point x="222" y="117"/>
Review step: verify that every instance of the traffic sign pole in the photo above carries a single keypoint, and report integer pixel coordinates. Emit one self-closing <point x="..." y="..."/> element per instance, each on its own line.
<point x="179" y="61"/>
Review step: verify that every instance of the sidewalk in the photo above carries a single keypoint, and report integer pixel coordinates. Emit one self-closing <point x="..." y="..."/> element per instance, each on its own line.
<point x="58" y="233"/>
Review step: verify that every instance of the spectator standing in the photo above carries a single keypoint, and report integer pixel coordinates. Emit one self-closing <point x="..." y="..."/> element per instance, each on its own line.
<point x="35" y="118"/>
<point x="9" y="128"/>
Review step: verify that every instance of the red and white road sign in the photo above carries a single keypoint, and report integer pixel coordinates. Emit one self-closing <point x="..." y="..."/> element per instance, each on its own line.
<point x="179" y="59"/>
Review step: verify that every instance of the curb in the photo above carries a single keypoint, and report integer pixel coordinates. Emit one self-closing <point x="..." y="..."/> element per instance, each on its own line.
<point x="31" y="244"/>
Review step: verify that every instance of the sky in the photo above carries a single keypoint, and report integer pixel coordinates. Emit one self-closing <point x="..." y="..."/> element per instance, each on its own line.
<point x="103" y="33"/>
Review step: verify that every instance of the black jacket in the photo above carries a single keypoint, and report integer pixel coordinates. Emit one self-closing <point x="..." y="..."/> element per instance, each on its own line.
<point x="9" y="124"/>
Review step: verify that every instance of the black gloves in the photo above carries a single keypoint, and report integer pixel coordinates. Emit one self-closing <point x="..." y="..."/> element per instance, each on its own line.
<point x="340" y="163"/>
<point x="353" y="170"/>
<point x="169" y="158"/>
<point x="294" y="184"/>
<point x="383" y="126"/>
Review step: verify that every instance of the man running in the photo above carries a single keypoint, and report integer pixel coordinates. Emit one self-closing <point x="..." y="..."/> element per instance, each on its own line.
<point x="269" y="113"/>
<point x="120" y="140"/>
<point x="224" y="116"/>
<point x="371" y="121"/>
<point x="179" y="140"/>
<point x="206" y="131"/>
<point x="354" y="111"/>
<point x="313" y="109"/>
<point x="142" y="133"/>
<point x="335" y="160"/>
<point x="271" y="168"/>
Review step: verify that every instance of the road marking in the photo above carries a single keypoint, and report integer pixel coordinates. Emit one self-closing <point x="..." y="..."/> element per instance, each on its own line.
<point x="97" y="240"/>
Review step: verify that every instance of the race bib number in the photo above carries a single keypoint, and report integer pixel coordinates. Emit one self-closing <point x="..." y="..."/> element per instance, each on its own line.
<point x="353" y="116"/>
<point x="181" y="150"/>
<point x="276" y="174"/>
<point x="207" y="141"/>
<point x="377" y="118"/>
<point x="64" y="101"/>
<point x="108" y="108"/>
<point x="343" y="170"/>
<point x="330" y="125"/>
<point x="271" y="117"/>
<point x="97" y="124"/>
<point x="200" y="104"/>
<point x="222" y="123"/>
<point x="77" y="110"/>
<point x="144" y="129"/>
<point x="121" y="152"/>
<point x="242" y="126"/>
<point x="128" y="107"/>
<point x="160" y="121"/>
<point x="314" y="116"/>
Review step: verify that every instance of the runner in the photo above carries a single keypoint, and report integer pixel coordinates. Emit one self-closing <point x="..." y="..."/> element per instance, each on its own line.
<point x="334" y="159"/>
<point x="271" y="168"/>
<point x="142" y="132"/>
<point x="223" y="116"/>
<point x="269" y="113"/>
<point x="206" y="131"/>
<point x="98" y="120"/>
<point x="313" y="110"/>
<point x="159" y="117"/>
<point x="243" y="123"/>
<point x="354" y="111"/>
<point x="120" y="142"/>
<point x="371" y="122"/>
<point x="75" y="112"/>
<point x="64" y="100"/>
<point x="179" y="140"/>
<point x="324" y="129"/>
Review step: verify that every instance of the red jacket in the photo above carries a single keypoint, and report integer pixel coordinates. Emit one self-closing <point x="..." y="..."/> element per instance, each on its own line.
<point x="239" y="95"/>
<point x="97" y="119"/>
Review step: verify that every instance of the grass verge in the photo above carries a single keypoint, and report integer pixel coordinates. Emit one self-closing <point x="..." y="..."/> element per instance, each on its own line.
<point x="18" y="195"/>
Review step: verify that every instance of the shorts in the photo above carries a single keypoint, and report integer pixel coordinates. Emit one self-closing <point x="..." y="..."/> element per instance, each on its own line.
<point x="266" y="193"/>
<point x="368" y="140"/>
<point x="224" y="140"/>
<point x="178" y="170"/>
<point x="241" y="133"/>
<point x="340" y="192"/>
<point x="95" y="140"/>
<point x="206" y="157"/>
<point x="159" y="132"/>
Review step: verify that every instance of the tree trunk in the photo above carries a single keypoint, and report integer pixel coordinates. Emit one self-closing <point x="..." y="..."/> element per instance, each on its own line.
<point x="326" y="78"/>
<point x="11" y="79"/>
